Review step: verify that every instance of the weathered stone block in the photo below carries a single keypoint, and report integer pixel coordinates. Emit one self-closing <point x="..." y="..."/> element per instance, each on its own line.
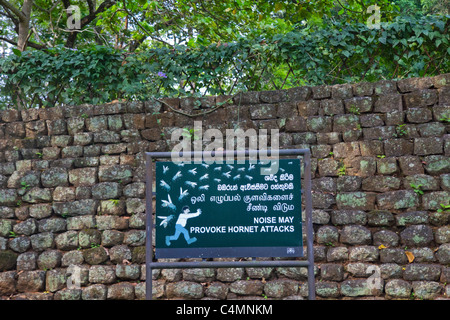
<point x="75" y="208"/>
<point x="359" y="287"/>
<point x="434" y="129"/>
<point x="443" y="254"/>
<point x="398" y="147"/>
<point x="111" y="223"/>
<point x="442" y="235"/>
<point x="355" y="200"/>
<point x="117" y="173"/>
<point x="433" y="200"/>
<point x="42" y="241"/>
<point x="83" y="176"/>
<point x="388" y="103"/>
<point x="102" y="274"/>
<point x="387" y="166"/>
<point x="420" y="98"/>
<point x="393" y="255"/>
<point x="36" y="195"/>
<point x="72" y="152"/>
<point x="8" y="197"/>
<point x="380" y="218"/>
<point x="8" y="260"/>
<point x="419" y="115"/>
<point x="381" y="183"/>
<point x="327" y="235"/>
<point x="27" y="227"/>
<point x="95" y="292"/>
<point x="422" y="182"/>
<point x="427" y="146"/>
<point x="121" y="291"/>
<point x="61" y="141"/>
<point x="410" y="165"/>
<point x="106" y="136"/>
<point x="411" y="217"/>
<point x="322" y="200"/>
<point x="217" y="290"/>
<point x="328" y="167"/>
<point x="308" y="108"/>
<point x="106" y="190"/>
<point x="346" y="150"/>
<point x="263" y="111"/>
<point x="230" y="274"/>
<point x="426" y="290"/>
<point x="7" y="283"/>
<point x="54" y="177"/>
<point x="385" y="237"/>
<point x="411" y="84"/>
<point x="52" y="225"/>
<point x="67" y="240"/>
<point x="49" y="259"/>
<point x="20" y="244"/>
<point x="298" y="93"/>
<point x="332" y="107"/>
<point x="31" y="281"/>
<point x="188" y="290"/>
<point x="417" y="236"/>
<point x="15" y="130"/>
<point x="356" y="235"/>
<point x="319" y="124"/>
<point x="35" y="129"/>
<point x="95" y="256"/>
<point x="377" y="133"/>
<point x="321" y="92"/>
<point x="371" y="120"/>
<point x="418" y="271"/>
<point x="437" y="164"/>
<point x="296" y="124"/>
<point x="364" y="253"/>
<point x="398" y="289"/>
<point x="97" y="124"/>
<point x="348" y="183"/>
<point x="401" y="199"/>
<point x="342" y="123"/>
<point x="247" y="288"/>
<point x="345" y="217"/>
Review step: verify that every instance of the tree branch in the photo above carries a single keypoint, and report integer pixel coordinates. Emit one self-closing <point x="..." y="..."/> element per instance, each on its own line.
<point x="29" y="43"/>
<point x="88" y="19"/>
<point x="22" y="17"/>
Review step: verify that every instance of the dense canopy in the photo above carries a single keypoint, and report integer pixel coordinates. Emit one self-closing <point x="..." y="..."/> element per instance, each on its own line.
<point x="72" y="52"/>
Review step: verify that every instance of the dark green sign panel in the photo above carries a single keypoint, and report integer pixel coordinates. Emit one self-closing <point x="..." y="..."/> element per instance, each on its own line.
<point x="228" y="210"/>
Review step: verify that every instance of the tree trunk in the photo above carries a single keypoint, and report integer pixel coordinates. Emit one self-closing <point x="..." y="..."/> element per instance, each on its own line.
<point x="24" y="25"/>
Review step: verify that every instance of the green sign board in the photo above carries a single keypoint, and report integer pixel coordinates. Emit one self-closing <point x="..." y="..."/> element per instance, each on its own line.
<point x="228" y="210"/>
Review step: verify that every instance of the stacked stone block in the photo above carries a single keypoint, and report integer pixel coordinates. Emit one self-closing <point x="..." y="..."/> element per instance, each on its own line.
<point x="72" y="194"/>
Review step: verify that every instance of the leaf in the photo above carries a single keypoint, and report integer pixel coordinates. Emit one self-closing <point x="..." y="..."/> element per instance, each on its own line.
<point x="381" y="246"/>
<point x="17" y="52"/>
<point x="410" y="256"/>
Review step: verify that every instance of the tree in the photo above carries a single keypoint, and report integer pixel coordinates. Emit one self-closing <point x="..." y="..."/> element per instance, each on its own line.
<point x="21" y="19"/>
<point x="136" y="24"/>
<point x="41" y="24"/>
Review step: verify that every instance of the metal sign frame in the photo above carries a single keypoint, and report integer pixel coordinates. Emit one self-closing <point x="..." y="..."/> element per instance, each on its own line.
<point x="306" y="193"/>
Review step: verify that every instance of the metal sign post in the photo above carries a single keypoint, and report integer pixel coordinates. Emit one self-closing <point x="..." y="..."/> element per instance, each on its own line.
<point x="234" y="210"/>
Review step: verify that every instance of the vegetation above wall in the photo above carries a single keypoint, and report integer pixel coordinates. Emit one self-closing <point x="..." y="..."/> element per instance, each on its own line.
<point x="340" y="52"/>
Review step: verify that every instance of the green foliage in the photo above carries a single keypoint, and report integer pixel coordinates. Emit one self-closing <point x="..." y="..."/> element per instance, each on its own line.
<point x="342" y="170"/>
<point x="444" y="208"/>
<point x="417" y="188"/>
<point x="341" y="52"/>
<point x="400" y="130"/>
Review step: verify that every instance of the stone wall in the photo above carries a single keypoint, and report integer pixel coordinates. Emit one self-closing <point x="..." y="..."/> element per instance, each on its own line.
<point x="72" y="193"/>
